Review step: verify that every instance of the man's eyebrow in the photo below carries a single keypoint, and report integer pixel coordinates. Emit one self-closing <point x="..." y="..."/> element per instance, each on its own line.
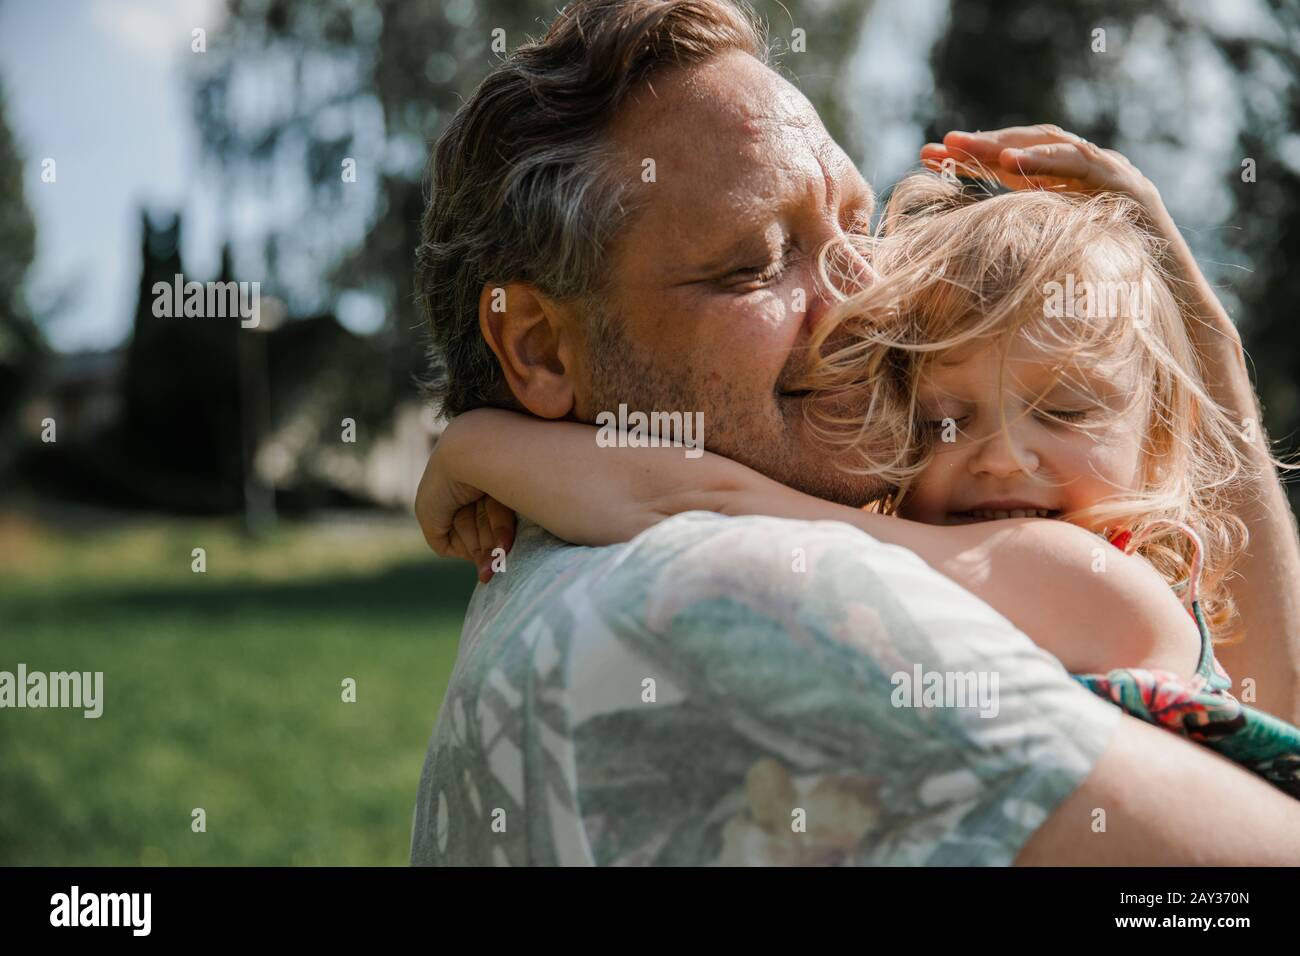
<point x="832" y="184"/>
<point x="751" y="241"/>
<point x="865" y="196"/>
<point x="858" y="190"/>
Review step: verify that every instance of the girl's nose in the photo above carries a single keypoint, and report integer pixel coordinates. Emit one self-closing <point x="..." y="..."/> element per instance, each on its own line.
<point x="1004" y="453"/>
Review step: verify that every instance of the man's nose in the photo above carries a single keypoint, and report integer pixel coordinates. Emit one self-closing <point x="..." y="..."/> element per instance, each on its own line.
<point x="1005" y="453"/>
<point x="836" y="268"/>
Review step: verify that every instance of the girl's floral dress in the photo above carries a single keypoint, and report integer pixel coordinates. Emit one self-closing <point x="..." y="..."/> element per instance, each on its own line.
<point x="1203" y="709"/>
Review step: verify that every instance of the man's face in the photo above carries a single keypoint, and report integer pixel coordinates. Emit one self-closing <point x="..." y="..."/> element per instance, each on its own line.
<point x="713" y="287"/>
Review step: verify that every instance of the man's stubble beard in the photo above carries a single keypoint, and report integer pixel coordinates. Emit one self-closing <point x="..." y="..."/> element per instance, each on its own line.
<point x="776" y="446"/>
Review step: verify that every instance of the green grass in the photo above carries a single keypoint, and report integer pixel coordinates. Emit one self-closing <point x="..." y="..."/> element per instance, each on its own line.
<point x="222" y="690"/>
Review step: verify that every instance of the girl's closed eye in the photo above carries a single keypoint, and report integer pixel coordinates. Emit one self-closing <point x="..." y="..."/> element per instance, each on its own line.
<point x="1069" y="416"/>
<point x="937" y="424"/>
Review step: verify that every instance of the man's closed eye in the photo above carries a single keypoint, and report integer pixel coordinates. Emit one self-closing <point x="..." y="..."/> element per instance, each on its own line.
<point x="760" y="275"/>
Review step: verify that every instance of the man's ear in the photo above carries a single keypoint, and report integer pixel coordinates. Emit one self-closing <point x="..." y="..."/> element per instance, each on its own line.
<point x="535" y="343"/>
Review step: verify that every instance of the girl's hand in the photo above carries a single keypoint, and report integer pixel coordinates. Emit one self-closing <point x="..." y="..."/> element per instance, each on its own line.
<point x="1042" y="157"/>
<point x="478" y="530"/>
<point x="459" y="520"/>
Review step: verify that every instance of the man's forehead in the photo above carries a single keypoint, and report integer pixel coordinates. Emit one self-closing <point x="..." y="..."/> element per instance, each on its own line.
<point x="732" y="109"/>
<point x="719" y="141"/>
<point x="729" y="82"/>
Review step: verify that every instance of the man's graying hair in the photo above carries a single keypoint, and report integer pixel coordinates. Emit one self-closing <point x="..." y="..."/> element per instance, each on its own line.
<point x="522" y="183"/>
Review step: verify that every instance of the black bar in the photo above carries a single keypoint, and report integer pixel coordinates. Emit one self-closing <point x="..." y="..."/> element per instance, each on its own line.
<point x="472" y="908"/>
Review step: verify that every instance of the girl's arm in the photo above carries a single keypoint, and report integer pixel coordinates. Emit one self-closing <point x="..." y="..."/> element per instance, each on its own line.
<point x="1089" y="604"/>
<point x="1266" y="583"/>
<point x="555" y="474"/>
<point x="1078" y="597"/>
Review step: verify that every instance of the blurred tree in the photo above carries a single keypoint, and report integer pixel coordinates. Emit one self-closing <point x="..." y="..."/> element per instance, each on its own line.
<point x="22" y="349"/>
<point x="179" y="444"/>
<point x="1267" y="217"/>
<point x="288" y="92"/>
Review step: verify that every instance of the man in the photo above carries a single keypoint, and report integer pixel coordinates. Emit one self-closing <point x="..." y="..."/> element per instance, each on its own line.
<point x="626" y="213"/>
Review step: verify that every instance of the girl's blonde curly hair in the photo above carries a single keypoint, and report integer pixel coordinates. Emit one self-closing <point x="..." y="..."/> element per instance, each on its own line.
<point x="956" y="268"/>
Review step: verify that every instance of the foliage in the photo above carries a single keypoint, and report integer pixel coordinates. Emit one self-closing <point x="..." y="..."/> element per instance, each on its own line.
<point x="21" y="346"/>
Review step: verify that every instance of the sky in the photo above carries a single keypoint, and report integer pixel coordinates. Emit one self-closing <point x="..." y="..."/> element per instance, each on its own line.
<point x="97" y="86"/>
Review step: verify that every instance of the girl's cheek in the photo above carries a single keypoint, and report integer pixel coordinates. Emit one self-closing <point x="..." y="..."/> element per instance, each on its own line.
<point x="1116" y="460"/>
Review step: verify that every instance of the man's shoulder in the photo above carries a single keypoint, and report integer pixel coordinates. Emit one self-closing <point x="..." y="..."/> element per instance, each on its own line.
<point x="684" y="536"/>
<point x="695" y="534"/>
<point x="702" y="561"/>
<point x="699" y="560"/>
<point x="755" y="552"/>
<point x="701" y="574"/>
<point x="700" y="540"/>
<point x="757" y="559"/>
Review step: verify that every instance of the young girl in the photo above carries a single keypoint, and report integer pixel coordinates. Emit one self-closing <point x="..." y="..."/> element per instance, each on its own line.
<point x="1015" y="358"/>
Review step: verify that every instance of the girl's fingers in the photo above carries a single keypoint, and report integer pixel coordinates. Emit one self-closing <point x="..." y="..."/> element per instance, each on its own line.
<point x="935" y="156"/>
<point x="974" y="172"/>
<point x="455" y="549"/>
<point x="945" y="162"/>
<point x="466" y="527"/>
<point x="436" y="533"/>
<point x="987" y="146"/>
<point x="1044" y="166"/>
<point x="502" y="521"/>
<point x="484" y="531"/>
<point x="1062" y="160"/>
<point x="939" y="153"/>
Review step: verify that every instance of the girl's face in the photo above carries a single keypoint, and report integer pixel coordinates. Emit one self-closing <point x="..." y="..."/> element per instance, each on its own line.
<point x="1040" y="463"/>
